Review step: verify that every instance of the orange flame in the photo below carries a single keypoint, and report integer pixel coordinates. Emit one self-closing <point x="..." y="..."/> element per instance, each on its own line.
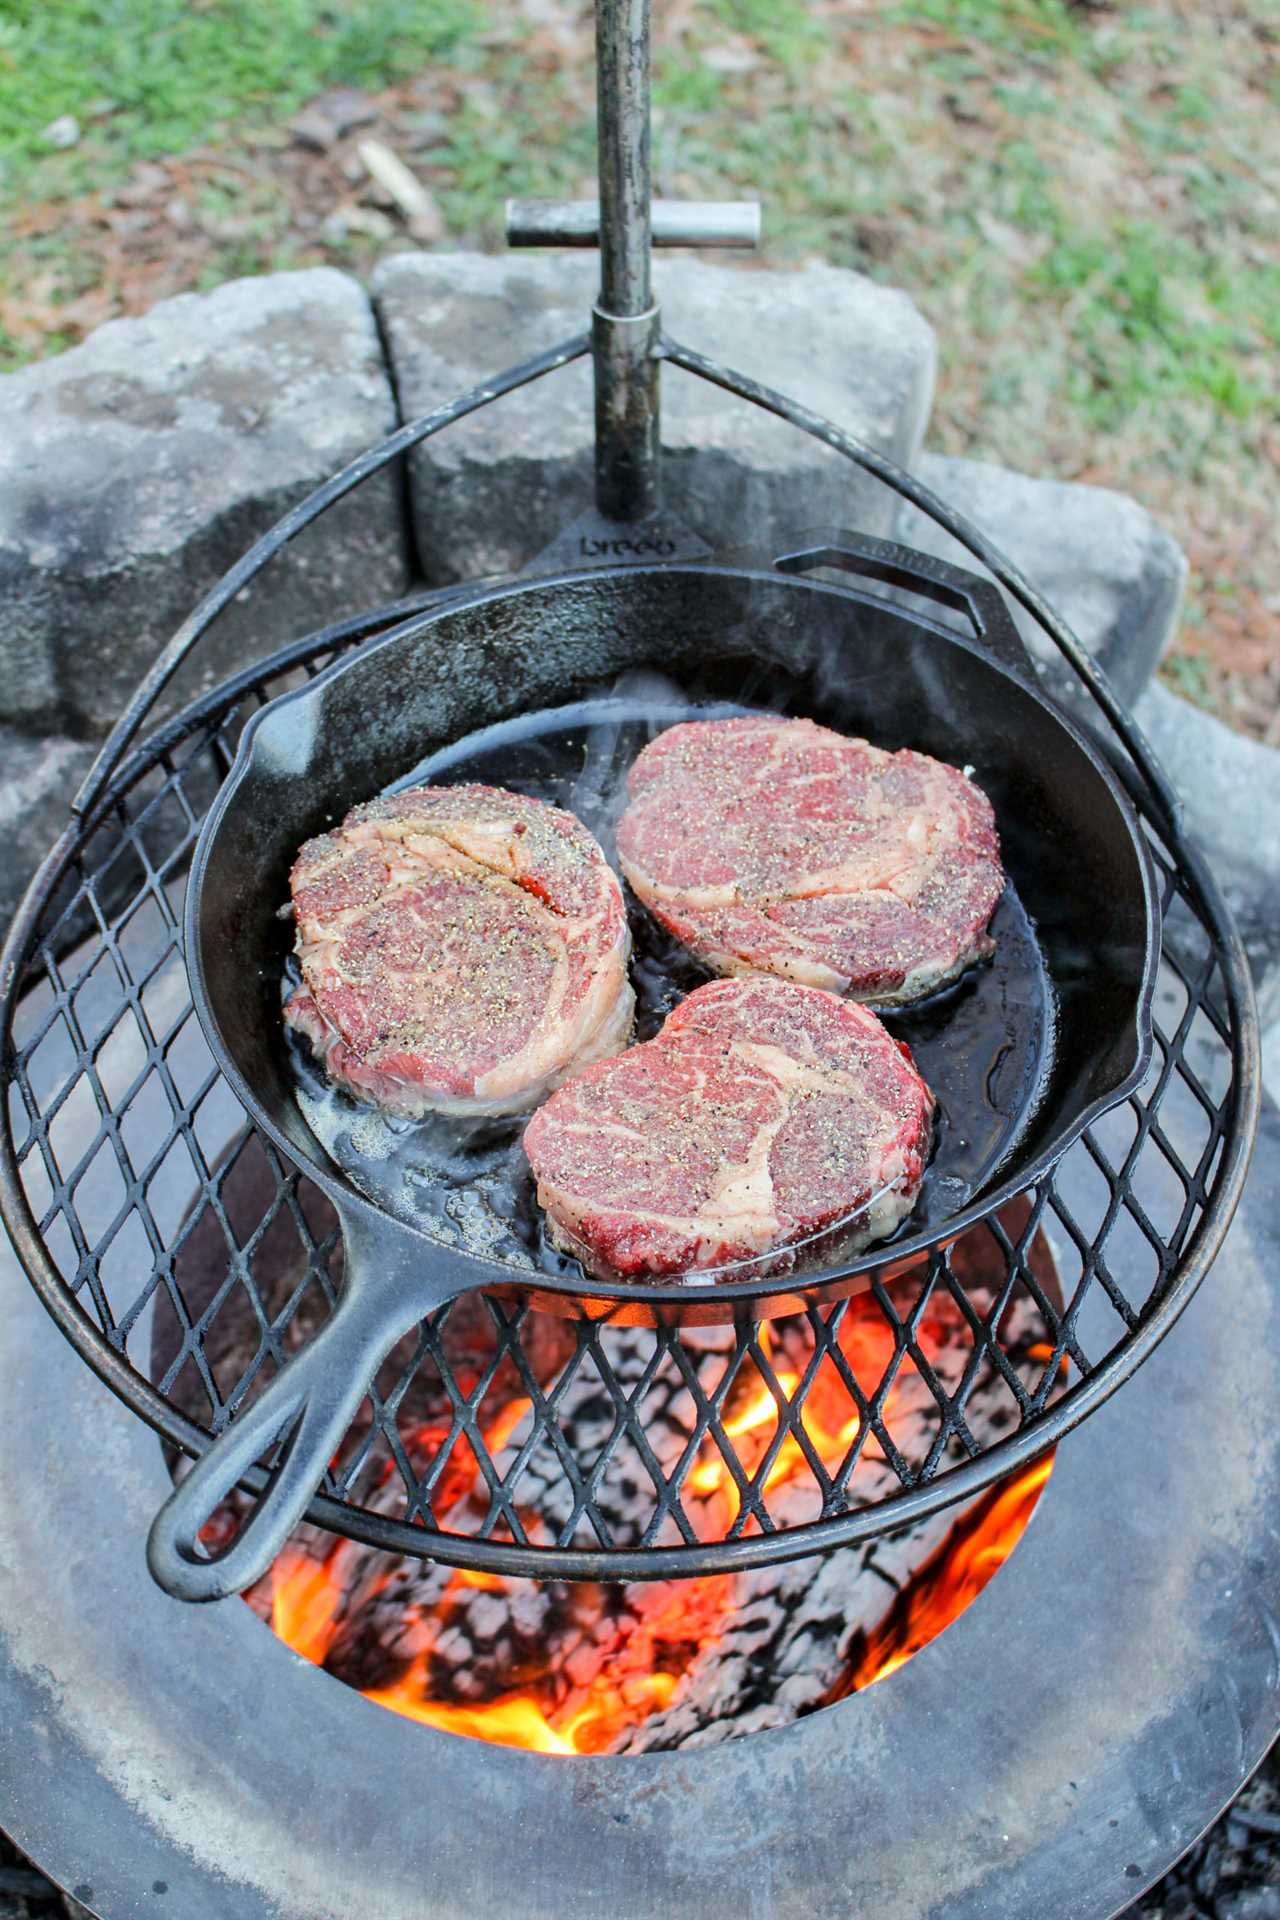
<point x="974" y="1551"/>
<point x="713" y="1476"/>
<point x="518" y="1720"/>
<point x="827" y="1419"/>
<point x="513" y="1720"/>
<point x="668" y="1624"/>
<point x="305" y="1597"/>
<point x="631" y="1682"/>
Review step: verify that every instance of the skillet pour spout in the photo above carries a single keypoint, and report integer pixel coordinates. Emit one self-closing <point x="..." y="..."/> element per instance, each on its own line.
<point x="775" y="635"/>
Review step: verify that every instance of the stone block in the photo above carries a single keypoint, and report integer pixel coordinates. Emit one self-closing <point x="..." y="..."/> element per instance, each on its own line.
<point x="37" y="781"/>
<point x="1230" y="787"/>
<point x="137" y="467"/>
<point x="1099" y="558"/>
<point x="492" y="491"/>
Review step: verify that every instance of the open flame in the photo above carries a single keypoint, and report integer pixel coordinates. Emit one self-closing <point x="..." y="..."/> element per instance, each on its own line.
<point x="626" y="1670"/>
<point x="633" y="1679"/>
<point x="828" y="1426"/>
<point x="622" y="1693"/>
<point x="971" y="1555"/>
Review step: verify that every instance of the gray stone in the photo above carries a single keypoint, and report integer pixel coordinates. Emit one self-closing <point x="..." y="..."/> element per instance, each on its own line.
<point x="136" y="468"/>
<point x="493" y="490"/>
<point x="1230" y="787"/>
<point x="1249" y="1903"/>
<point x="62" y="132"/>
<point x="1271" y="1060"/>
<point x="37" y="781"/>
<point x="1099" y="559"/>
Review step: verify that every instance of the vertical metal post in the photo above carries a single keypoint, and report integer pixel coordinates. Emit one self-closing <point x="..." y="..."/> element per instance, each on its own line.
<point x="625" y="322"/>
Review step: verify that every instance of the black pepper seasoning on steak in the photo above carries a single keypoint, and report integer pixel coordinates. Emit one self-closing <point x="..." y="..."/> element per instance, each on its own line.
<point x="762" y="1114"/>
<point x="462" y="950"/>
<point x="776" y="846"/>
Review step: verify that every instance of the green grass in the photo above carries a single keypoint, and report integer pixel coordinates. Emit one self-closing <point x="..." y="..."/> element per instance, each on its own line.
<point x="1158" y="322"/>
<point x="786" y="31"/>
<point x="1080" y="199"/>
<point x="1188" y="674"/>
<point x="157" y="76"/>
<point x="1153" y="317"/>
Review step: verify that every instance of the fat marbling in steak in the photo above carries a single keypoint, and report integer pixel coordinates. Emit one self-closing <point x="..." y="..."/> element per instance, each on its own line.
<point x="462" y="949"/>
<point x="762" y="1114"/>
<point x="776" y="846"/>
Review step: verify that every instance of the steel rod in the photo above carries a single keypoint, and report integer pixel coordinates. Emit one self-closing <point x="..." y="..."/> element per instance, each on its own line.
<point x="622" y="133"/>
<point x="672" y="223"/>
<point x="625" y="322"/>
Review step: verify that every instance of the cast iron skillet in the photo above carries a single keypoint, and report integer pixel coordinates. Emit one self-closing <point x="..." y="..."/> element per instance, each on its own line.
<point x="845" y="656"/>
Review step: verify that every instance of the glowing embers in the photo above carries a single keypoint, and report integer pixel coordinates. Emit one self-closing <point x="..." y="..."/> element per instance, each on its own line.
<point x="605" y="1664"/>
<point x="807" y="1411"/>
<point x="973" y="1553"/>
<point x="630" y="1675"/>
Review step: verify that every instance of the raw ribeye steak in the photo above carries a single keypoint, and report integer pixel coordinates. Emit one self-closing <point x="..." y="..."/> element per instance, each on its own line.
<point x="762" y="1114"/>
<point x="776" y="846"/>
<point x="462" y="950"/>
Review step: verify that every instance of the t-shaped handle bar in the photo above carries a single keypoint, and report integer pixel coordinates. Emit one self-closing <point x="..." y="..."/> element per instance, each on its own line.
<point x="672" y="223"/>
<point x="625" y="223"/>
<point x="625" y="322"/>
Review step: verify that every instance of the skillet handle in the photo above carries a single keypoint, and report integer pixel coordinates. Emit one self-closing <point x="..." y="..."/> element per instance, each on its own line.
<point x="982" y="604"/>
<point x="312" y="1402"/>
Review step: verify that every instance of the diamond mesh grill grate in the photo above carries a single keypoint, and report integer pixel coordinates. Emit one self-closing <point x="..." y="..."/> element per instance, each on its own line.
<point x="186" y="1260"/>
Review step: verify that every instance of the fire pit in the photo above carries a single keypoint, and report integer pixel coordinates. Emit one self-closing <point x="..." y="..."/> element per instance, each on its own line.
<point x="1064" y="1740"/>
<point x="567" y="1667"/>
<point x="623" y="1543"/>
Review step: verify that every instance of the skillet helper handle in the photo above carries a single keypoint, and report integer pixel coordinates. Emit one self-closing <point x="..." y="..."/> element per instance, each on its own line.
<point x="982" y="604"/>
<point x="311" y="1402"/>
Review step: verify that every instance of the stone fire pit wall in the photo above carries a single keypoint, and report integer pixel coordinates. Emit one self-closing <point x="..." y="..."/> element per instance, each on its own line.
<point x="135" y="468"/>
